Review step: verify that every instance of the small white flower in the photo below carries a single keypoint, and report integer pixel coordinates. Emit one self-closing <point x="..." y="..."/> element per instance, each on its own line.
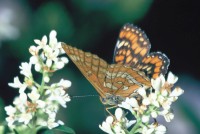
<point x="10" y="120"/>
<point x="34" y="50"/>
<point x="60" y="96"/>
<point x="38" y="67"/>
<point x="23" y="98"/>
<point x="25" y="118"/>
<point x="160" y="129"/>
<point x="145" y="118"/>
<point x="154" y="128"/>
<point x="154" y="114"/>
<point x="52" y="39"/>
<point x="129" y="104"/>
<point x="158" y="82"/>
<point x="171" y="79"/>
<point x="64" y="60"/>
<point x="41" y="43"/>
<point x="34" y="95"/>
<point x="118" y="129"/>
<point x="51" y="123"/>
<point x="10" y="110"/>
<point x="26" y="69"/>
<point x="106" y="125"/>
<point x="41" y="104"/>
<point x="46" y="79"/>
<point x="20" y="103"/>
<point x="60" y="122"/>
<point x="176" y="92"/>
<point x="146" y="130"/>
<point x="154" y="100"/>
<point x="49" y="62"/>
<point x="18" y="84"/>
<point x="64" y="83"/>
<point x="118" y="114"/>
<point x="34" y="60"/>
<point x="169" y="116"/>
<point x="59" y="65"/>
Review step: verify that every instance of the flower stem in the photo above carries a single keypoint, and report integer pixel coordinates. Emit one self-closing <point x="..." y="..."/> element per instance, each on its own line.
<point x="136" y="126"/>
<point x="42" y="84"/>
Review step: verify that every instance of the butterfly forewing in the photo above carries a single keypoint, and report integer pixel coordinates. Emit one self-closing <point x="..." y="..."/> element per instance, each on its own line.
<point x="132" y="49"/>
<point x="132" y="45"/>
<point x="91" y="66"/>
<point x="123" y="80"/>
<point x="114" y="79"/>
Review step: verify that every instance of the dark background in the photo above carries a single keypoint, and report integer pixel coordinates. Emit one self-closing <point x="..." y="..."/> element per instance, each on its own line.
<point x="172" y="26"/>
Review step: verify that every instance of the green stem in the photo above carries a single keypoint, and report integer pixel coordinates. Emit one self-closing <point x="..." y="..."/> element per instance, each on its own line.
<point x="42" y="84"/>
<point x="136" y="126"/>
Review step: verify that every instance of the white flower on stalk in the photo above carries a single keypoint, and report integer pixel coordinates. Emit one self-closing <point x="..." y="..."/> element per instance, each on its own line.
<point x="118" y="125"/>
<point x="10" y="110"/>
<point x="106" y="125"/>
<point x="145" y="100"/>
<point x="59" y="95"/>
<point x="132" y="105"/>
<point x="64" y="83"/>
<point x="41" y="43"/>
<point x="51" y="121"/>
<point x="154" y="128"/>
<point x="53" y="40"/>
<point x="175" y="93"/>
<point x="26" y="69"/>
<point x="18" y="84"/>
<point x="46" y="78"/>
<point x="25" y="117"/>
<point x="20" y="102"/>
<point x="10" y="120"/>
<point x="167" y="115"/>
<point x="159" y="82"/>
<point x="172" y="79"/>
<point x="46" y="58"/>
<point x="34" y="97"/>
<point x="47" y="53"/>
<point x="145" y="118"/>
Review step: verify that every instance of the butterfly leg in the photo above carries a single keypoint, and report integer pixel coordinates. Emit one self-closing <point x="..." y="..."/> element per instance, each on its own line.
<point x="111" y="107"/>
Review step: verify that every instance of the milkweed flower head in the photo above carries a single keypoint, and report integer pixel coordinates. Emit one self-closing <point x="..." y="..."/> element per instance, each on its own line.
<point x="38" y="103"/>
<point x="153" y="103"/>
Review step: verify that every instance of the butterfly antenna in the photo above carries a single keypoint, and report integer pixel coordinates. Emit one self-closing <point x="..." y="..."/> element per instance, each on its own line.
<point x="83" y="96"/>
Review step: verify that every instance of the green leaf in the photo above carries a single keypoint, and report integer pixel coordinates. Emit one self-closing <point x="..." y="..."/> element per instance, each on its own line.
<point x="66" y="129"/>
<point x="48" y="132"/>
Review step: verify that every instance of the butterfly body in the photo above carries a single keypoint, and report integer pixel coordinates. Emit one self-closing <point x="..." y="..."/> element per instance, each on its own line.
<point x="132" y="69"/>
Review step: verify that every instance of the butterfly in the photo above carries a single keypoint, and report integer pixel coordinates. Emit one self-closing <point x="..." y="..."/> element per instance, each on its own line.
<point x="132" y="69"/>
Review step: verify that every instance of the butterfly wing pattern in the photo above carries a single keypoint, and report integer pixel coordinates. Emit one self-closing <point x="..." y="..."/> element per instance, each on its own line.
<point x="132" y="49"/>
<point x="113" y="82"/>
<point x="133" y="66"/>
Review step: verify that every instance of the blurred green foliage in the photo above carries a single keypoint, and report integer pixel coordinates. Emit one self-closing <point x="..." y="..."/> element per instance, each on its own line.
<point x="81" y="24"/>
<point x="117" y="11"/>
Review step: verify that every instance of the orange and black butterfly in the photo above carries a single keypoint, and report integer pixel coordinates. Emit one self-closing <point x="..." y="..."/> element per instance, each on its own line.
<point x="133" y="66"/>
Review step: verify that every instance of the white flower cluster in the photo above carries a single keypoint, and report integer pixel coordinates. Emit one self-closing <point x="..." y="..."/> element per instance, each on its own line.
<point x="117" y="124"/>
<point x="154" y="102"/>
<point x="38" y="104"/>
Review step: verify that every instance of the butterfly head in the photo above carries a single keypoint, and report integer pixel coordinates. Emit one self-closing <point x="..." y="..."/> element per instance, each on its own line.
<point x="111" y="99"/>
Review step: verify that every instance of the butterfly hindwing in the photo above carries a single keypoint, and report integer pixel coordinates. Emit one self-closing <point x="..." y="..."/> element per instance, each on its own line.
<point x="154" y="64"/>
<point x="132" y="46"/>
